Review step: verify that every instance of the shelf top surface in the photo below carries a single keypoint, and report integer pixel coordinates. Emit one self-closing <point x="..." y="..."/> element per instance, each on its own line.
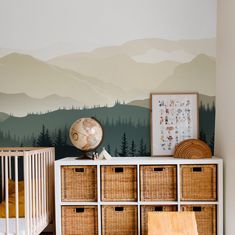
<point x="137" y="160"/>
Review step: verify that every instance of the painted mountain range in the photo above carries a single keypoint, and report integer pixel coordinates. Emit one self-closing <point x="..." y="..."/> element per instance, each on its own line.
<point x="101" y="77"/>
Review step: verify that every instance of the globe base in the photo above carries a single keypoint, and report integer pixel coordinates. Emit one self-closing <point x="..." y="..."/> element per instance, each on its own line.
<point x="84" y="157"/>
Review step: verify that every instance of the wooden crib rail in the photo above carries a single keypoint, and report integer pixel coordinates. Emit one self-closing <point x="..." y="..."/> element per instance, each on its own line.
<point x="20" y="151"/>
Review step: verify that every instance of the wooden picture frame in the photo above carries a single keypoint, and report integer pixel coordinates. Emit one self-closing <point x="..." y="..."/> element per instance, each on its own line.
<point x="174" y="118"/>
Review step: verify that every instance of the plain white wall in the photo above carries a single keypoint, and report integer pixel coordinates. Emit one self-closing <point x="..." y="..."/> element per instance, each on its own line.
<point x="225" y="105"/>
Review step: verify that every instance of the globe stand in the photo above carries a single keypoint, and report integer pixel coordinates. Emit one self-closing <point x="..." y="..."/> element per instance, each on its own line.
<point x="85" y="156"/>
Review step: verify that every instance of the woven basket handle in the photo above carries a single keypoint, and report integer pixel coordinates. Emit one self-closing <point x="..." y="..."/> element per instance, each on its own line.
<point x="119" y="170"/>
<point x="79" y="210"/>
<point x="79" y="170"/>
<point x="197" y="208"/>
<point x="197" y="169"/>
<point x="119" y="208"/>
<point x="157" y="169"/>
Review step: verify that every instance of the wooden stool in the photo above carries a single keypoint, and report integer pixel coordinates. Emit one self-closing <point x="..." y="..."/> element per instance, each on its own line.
<point x="172" y="223"/>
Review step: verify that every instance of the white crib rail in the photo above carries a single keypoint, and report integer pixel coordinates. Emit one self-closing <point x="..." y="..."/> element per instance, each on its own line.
<point x="38" y="186"/>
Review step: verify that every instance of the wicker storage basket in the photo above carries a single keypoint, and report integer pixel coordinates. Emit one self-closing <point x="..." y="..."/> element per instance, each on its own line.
<point x="192" y="148"/>
<point x="158" y="183"/>
<point x="79" y="183"/>
<point x="150" y="208"/>
<point x="79" y="220"/>
<point x="198" y="182"/>
<point x="118" y="220"/>
<point x="205" y="217"/>
<point x="119" y="183"/>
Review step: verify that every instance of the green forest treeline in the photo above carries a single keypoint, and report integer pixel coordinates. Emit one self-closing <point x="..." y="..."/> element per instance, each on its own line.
<point x="126" y="135"/>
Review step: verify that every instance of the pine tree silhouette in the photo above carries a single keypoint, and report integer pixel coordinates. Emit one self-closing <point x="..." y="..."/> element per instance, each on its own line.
<point x="133" y="148"/>
<point x="41" y="139"/>
<point x="141" y="151"/>
<point x="44" y="139"/>
<point x="59" y="140"/>
<point x="48" y="138"/>
<point x="124" y="146"/>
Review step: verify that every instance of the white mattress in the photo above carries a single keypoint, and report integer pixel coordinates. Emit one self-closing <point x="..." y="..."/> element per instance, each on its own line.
<point x="12" y="226"/>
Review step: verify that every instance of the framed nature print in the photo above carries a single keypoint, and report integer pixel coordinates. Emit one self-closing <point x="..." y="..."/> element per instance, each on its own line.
<point x="174" y="118"/>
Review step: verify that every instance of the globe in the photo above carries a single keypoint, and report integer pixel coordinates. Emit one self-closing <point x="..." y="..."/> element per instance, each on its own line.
<point x="86" y="134"/>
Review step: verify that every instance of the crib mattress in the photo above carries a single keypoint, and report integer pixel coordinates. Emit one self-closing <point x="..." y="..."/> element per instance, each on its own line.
<point x="12" y="226"/>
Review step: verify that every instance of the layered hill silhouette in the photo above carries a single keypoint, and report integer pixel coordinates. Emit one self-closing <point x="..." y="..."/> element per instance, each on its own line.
<point x="131" y="48"/>
<point x="25" y="74"/>
<point x="141" y="46"/>
<point x="20" y="104"/>
<point x="197" y="75"/>
<point x="117" y="63"/>
<point x="119" y="69"/>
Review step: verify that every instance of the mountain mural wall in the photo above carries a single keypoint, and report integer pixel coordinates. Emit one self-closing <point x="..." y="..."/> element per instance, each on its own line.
<point x="113" y="84"/>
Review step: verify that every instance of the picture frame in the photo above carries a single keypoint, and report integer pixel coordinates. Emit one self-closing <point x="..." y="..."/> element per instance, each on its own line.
<point x="174" y="118"/>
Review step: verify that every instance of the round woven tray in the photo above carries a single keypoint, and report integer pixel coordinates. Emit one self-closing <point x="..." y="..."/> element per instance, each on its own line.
<point x="192" y="148"/>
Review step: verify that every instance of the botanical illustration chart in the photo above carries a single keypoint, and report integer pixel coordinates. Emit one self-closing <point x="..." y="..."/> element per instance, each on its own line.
<point x="174" y="119"/>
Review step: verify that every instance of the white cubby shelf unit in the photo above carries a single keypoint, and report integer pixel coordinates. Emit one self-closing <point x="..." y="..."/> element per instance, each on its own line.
<point x="138" y="162"/>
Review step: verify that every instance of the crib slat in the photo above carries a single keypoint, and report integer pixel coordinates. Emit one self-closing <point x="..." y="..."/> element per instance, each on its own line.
<point x="44" y="185"/>
<point x="30" y="204"/>
<point x="33" y="192"/>
<point x="49" y="180"/>
<point x="26" y="192"/>
<point x="52" y="183"/>
<point x="17" y="195"/>
<point x="6" y="195"/>
<point x="36" y="188"/>
<point x="10" y="170"/>
<point x="3" y="178"/>
<point x="40" y="187"/>
<point x="47" y="185"/>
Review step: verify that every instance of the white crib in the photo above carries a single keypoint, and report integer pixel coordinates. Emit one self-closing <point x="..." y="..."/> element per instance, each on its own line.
<point x="35" y="166"/>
